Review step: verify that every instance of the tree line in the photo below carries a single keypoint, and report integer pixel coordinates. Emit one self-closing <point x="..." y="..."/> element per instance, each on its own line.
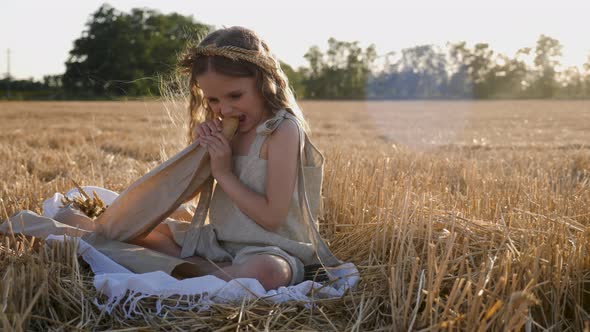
<point x="347" y="71"/>
<point x="126" y="54"/>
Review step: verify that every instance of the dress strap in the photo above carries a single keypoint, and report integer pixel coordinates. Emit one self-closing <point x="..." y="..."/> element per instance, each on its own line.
<point x="256" y="146"/>
<point x="265" y="129"/>
<point x="192" y="238"/>
<point x="323" y="253"/>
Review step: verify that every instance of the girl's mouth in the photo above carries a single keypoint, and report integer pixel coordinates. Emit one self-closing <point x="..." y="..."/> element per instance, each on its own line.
<point x="242" y="117"/>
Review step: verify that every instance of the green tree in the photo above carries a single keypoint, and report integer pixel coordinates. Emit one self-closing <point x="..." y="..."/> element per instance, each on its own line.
<point x="342" y="72"/>
<point x="121" y="54"/>
<point x="571" y="83"/>
<point x="424" y="70"/>
<point x="490" y="74"/>
<point x="547" y="52"/>
<point x="480" y="64"/>
<point x="511" y="75"/>
<point x="295" y="80"/>
<point x="459" y="83"/>
<point x="587" y="78"/>
<point x="313" y="76"/>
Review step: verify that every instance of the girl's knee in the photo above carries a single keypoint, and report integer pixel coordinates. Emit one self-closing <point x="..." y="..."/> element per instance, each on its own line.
<point x="270" y="270"/>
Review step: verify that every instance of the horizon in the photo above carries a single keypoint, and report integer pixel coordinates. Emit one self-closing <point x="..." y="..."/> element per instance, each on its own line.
<point x="387" y="30"/>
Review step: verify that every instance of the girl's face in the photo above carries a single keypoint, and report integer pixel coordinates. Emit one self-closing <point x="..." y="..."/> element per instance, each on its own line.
<point x="231" y="96"/>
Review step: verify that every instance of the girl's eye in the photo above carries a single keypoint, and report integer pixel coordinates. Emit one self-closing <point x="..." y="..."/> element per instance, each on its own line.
<point x="236" y="96"/>
<point x="212" y="101"/>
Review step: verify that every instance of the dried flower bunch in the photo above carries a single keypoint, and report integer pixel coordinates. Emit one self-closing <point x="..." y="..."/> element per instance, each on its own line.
<point x="92" y="207"/>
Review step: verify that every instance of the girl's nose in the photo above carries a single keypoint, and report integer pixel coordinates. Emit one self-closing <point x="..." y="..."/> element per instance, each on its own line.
<point x="226" y="110"/>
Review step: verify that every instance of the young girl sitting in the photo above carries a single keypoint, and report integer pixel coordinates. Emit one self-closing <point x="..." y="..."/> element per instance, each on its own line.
<point x="258" y="223"/>
<point x="263" y="213"/>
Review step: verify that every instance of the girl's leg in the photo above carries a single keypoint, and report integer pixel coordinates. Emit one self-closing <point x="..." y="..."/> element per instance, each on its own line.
<point x="158" y="240"/>
<point x="203" y="268"/>
<point x="272" y="271"/>
<point x="164" y="229"/>
<point x="161" y="239"/>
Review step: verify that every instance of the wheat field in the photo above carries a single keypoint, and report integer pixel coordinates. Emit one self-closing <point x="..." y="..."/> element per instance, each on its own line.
<point x="459" y="215"/>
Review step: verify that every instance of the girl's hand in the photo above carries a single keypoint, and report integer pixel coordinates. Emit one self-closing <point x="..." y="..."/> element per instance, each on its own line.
<point x="220" y="153"/>
<point x="206" y="128"/>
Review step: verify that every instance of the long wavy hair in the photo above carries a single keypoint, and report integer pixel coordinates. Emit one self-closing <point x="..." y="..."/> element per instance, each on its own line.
<point x="274" y="87"/>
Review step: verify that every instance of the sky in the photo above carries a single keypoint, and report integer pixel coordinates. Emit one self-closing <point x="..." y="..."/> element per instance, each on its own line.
<point x="40" y="34"/>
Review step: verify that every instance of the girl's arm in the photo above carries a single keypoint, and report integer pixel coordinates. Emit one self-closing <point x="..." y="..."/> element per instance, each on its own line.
<point x="268" y="210"/>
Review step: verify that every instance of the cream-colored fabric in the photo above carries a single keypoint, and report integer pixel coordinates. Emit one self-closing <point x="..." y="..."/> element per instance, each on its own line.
<point x="69" y="215"/>
<point x="135" y="258"/>
<point x="192" y="244"/>
<point x="31" y="224"/>
<point x="68" y="221"/>
<point x="205" y="240"/>
<point x="154" y="196"/>
<point x="235" y="230"/>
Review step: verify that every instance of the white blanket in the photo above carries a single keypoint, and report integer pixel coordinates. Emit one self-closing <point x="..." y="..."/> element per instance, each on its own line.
<point x="115" y="281"/>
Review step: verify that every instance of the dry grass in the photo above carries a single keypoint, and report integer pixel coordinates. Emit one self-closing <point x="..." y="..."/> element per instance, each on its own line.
<point x="459" y="215"/>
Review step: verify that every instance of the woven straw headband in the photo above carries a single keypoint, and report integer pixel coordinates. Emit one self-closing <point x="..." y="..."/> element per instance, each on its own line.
<point x="237" y="53"/>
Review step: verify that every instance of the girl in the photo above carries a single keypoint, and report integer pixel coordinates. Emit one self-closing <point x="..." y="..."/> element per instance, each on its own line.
<point x="260" y="223"/>
<point x="263" y="212"/>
